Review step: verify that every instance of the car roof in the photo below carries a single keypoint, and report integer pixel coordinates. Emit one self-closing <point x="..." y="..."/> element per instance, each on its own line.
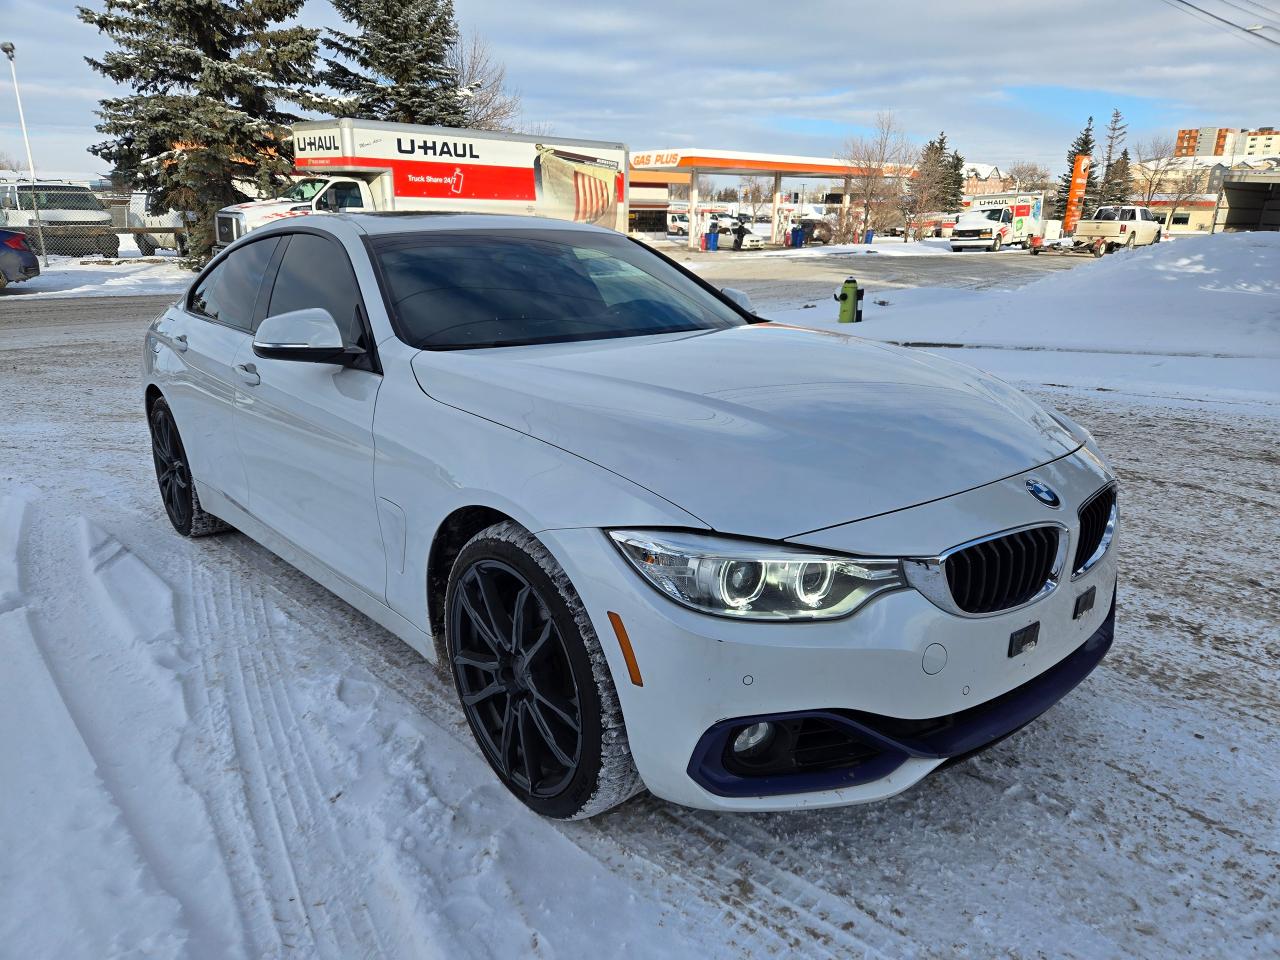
<point x="403" y="221"/>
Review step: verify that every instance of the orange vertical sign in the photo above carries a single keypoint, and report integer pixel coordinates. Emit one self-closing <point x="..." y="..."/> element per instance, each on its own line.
<point x="1075" y="196"/>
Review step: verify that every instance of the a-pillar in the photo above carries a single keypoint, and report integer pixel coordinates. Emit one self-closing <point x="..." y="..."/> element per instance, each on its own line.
<point x="774" y="234"/>
<point x="695" y="225"/>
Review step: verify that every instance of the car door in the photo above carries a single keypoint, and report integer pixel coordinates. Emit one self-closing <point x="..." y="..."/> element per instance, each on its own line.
<point x="305" y="430"/>
<point x="198" y="342"/>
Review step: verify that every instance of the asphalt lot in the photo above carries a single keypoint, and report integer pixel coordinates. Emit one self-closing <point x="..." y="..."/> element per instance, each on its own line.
<point x="791" y="281"/>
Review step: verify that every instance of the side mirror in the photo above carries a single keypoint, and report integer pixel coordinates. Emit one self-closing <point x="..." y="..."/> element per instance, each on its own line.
<point x="310" y="335"/>
<point x="739" y="297"/>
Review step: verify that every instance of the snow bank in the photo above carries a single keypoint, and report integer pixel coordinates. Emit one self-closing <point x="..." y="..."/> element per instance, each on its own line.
<point x="85" y="277"/>
<point x="1189" y="321"/>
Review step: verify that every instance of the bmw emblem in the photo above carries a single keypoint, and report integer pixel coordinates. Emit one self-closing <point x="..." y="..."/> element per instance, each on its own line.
<point x="1043" y="492"/>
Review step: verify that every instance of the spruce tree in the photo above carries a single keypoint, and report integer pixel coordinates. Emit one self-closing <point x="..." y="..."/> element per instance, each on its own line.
<point x="396" y="65"/>
<point x="953" y="183"/>
<point x="208" y="78"/>
<point x="1083" y="143"/>
<point x="1115" y="180"/>
<point x="1117" y="183"/>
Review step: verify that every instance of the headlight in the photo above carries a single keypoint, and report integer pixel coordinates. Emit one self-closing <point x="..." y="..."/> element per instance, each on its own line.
<point x="985" y="234"/>
<point x="755" y="581"/>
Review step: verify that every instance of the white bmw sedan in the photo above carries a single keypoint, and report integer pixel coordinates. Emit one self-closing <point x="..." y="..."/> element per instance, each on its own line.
<point x="657" y="541"/>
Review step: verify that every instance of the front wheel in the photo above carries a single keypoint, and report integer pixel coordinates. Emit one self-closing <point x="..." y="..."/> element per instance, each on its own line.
<point x="995" y="245"/>
<point x="173" y="474"/>
<point x="145" y="247"/>
<point x="532" y="678"/>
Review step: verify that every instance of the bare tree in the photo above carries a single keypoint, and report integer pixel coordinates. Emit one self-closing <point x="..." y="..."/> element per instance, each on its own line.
<point x="1178" y="189"/>
<point x="878" y="167"/>
<point x="7" y="162"/>
<point x="922" y="194"/>
<point x="706" y="188"/>
<point x="1155" y="164"/>
<point x="1027" y="175"/>
<point x="486" y="102"/>
<point x="755" y="192"/>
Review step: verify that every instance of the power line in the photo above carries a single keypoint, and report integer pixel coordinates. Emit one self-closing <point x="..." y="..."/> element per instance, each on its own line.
<point x="1201" y="13"/>
<point x="1246" y="10"/>
<point x="1264" y="8"/>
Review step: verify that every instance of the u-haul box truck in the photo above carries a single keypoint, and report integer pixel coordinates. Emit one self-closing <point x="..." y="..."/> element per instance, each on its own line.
<point x="996" y="220"/>
<point x="362" y="165"/>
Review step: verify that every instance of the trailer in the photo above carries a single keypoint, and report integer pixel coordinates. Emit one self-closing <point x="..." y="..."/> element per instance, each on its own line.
<point x="348" y="165"/>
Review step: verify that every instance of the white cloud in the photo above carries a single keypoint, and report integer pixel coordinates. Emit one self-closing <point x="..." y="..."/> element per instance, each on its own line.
<point x="756" y="74"/>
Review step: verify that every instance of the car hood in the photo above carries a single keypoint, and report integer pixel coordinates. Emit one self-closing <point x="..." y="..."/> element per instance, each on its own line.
<point x="763" y="430"/>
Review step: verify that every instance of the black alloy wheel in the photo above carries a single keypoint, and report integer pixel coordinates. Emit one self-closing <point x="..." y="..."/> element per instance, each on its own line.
<point x="173" y="475"/>
<point x="172" y="472"/>
<point x="515" y="679"/>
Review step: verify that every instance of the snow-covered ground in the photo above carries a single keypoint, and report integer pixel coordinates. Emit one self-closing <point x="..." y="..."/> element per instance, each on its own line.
<point x="1189" y="322"/>
<point x="203" y="754"/>
<point x="96" y="277"/>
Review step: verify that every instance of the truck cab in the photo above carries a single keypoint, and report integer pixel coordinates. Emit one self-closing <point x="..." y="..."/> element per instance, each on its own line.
<point x="306" y="196"/>
<point x="987" y="229"/>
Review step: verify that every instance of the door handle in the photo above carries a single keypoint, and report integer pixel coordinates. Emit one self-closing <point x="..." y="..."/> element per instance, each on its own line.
<point x="248" y="373"/>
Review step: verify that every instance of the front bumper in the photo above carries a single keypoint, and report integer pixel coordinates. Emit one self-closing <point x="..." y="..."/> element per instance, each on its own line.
<point x="878" y="666"/>
<point x="966" y="243"/>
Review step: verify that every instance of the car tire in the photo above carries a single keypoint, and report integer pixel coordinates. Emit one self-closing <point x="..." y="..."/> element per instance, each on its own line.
<point x="173" y="475"/>
<point x="145" y="247"/>
<point x="109" y="246"/>
<point x="532" y="678"/>
<point x="995" y="245"/>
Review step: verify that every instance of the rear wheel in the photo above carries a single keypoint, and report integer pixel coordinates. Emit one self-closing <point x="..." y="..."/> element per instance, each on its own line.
<point x="177" y="489"/>
<point x="145" y="246"/>
<point x="109" y="246"/>
<point x="532" y="678"/>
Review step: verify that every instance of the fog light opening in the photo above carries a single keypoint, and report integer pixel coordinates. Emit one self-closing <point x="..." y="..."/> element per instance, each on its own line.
<point x="753" y="740"/>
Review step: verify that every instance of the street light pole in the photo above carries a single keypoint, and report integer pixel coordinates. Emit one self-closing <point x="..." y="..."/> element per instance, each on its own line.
<point x="7" y="49"/>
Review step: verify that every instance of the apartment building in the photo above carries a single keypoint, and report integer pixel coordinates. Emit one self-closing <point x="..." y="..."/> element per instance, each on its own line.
<point x="1226" y="142"/>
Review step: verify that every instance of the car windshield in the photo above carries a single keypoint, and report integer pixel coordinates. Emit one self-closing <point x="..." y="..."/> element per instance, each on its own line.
<point x="993" y="213"/>
<point x="303" y="190"/>
<point x="58" y="198"/>
<point x="461" y="290"/>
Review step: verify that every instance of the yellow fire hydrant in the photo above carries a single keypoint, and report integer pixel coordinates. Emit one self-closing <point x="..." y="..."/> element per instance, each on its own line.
<point x="850" y="297"/>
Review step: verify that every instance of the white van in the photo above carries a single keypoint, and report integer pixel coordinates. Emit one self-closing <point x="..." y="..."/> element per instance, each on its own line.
<point x="77" y="223"/>
<point x="145" y="210"/>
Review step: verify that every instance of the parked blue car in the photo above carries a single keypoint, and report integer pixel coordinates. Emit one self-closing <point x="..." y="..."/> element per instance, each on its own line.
<point x="17" y="262"/>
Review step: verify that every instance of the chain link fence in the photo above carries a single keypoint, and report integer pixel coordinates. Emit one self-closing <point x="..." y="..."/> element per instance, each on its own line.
<point x="74" y="220"/>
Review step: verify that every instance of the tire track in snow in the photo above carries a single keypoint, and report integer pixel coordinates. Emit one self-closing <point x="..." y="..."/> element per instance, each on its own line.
<point x="13" y="515"/>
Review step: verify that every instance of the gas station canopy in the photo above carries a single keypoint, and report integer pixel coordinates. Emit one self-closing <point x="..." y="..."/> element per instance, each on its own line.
<point x="736" y="163"/>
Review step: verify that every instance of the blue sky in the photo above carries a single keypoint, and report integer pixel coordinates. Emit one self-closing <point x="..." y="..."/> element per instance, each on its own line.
<point x="1008" y="80"/>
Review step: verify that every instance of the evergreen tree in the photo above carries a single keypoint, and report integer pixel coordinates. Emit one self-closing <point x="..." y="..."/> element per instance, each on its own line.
<point x="1083" y="143"/>
<point x="208" y="79"/>
<point x="1117" y="183"/>
<point x="397" y="65"/>
<point x="1115" y="180"/>
<point x="953" y="184"/>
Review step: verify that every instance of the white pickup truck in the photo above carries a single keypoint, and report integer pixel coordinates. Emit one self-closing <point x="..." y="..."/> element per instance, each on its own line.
<point x="365" y="165"/>
<point x="1115" y="228"/>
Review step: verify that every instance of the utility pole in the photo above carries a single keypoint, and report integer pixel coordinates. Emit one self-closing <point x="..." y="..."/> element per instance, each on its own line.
<point x="7" y="49"/>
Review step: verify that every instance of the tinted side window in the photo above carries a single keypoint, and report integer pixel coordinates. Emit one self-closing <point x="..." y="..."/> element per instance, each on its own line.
<point x="227" y="293"/>
<point x="315" y="272"/>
